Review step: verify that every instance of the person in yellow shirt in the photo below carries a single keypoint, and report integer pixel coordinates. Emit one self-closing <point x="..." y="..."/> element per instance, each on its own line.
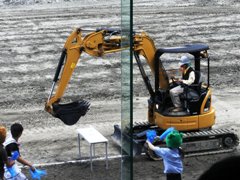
<point x="188" y="78"/>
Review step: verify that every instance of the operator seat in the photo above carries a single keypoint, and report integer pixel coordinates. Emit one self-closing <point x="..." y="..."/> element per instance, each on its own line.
<point x="193" y="91"/>
<point x="192" y="96"/>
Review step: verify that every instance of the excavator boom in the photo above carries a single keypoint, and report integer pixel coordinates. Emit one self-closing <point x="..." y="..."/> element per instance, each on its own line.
<point x="71" y="112"/>
<point x="98" y="43"/>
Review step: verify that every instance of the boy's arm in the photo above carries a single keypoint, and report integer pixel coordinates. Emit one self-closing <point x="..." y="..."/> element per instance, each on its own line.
<point x="150" y="145"/>
<point x="25" y="162"/>
<point x="159" y="151"/>
<point x="5" y="159"/>
<point x="9" y="163"/>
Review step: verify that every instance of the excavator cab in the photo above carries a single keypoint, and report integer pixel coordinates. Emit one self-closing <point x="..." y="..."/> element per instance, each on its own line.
<point x="197" y="111"/>
<point x="194" y="94"/>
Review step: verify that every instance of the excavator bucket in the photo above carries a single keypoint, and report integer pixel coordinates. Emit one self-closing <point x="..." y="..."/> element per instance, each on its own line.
<point x="70" y="113"/>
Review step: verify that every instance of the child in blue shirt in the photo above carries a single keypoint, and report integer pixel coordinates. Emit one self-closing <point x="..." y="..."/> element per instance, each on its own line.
<point x="171" y="155"/>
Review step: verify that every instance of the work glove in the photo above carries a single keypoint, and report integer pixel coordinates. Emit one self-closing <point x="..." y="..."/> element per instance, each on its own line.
<point x="37" y="173"/>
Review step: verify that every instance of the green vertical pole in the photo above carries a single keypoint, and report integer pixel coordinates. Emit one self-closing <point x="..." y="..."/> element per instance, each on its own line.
<point x="127" y="89"/>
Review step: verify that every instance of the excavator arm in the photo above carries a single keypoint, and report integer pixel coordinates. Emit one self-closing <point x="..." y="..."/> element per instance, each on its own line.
<point x="68" y="113"/>
<point x="98" y="43"/>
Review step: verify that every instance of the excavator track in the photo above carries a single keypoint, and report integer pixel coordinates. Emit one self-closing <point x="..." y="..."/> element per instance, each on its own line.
<point x="198" y="143"/>
<point x="210" y="140"/>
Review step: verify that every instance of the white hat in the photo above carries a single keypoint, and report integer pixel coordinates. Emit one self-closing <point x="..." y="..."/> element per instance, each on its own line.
<point x="184" y="60"/>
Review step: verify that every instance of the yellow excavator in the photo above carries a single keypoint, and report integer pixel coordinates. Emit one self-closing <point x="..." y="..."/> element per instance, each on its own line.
<point x="195" y="120"/>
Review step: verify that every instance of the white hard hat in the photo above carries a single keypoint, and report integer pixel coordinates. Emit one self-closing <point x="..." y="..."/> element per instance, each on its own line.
<point x="184" y="60"/>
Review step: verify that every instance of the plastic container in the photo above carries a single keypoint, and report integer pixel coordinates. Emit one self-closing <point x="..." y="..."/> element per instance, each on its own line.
<point x="151" y="134"/>
<point x="37" y="174"/>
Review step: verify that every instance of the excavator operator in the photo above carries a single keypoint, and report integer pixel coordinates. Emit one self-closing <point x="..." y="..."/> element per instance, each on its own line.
<point x="188" y="78"/>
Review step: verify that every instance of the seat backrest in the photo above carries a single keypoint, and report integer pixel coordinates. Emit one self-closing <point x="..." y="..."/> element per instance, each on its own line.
<point x="197" y="83"/>
<point x="198" y="77"/>
<point x="195" y="95"/>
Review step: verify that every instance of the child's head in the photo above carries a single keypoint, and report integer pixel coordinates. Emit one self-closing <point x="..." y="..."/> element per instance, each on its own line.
<point x="174" y="139"/>
<point x="16" y="130"/>
<point x="3" y="133"/>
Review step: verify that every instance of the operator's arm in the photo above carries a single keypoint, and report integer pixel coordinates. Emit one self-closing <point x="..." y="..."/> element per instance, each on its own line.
<point x="190" y="80"/>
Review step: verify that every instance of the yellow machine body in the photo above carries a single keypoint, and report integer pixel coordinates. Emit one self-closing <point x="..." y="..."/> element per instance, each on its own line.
<point x="105" y="41"/>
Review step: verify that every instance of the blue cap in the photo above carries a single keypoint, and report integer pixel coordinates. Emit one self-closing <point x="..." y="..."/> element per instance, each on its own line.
<point x="184" y="60"/>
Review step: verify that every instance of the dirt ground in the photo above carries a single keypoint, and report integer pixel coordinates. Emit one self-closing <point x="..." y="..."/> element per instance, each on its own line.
<point x="32" y="35"/>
